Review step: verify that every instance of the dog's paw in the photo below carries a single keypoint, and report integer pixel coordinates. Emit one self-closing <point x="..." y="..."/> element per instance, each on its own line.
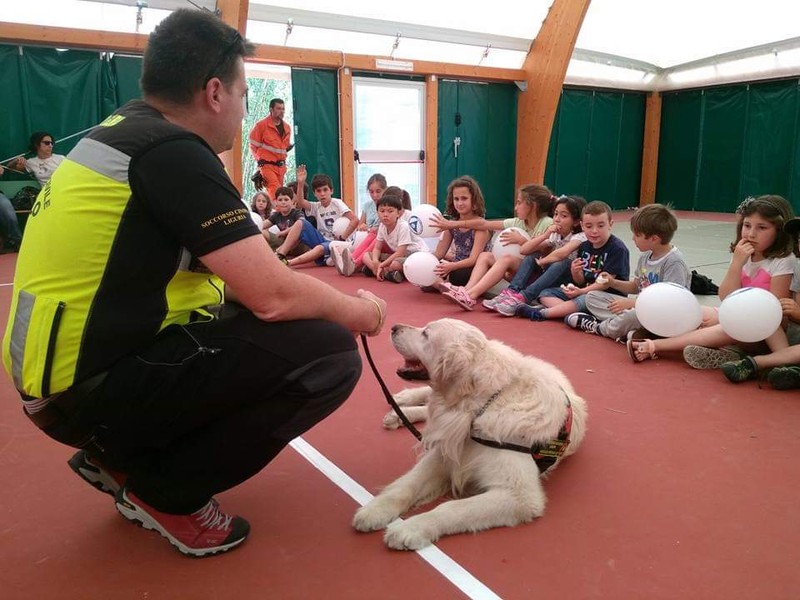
<point x="373" y="516"/>
<point x="391" y="420"/>
<point x="408" y="535"/>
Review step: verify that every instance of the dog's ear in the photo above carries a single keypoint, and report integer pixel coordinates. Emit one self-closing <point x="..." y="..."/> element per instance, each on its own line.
<point x="454" y="374"/>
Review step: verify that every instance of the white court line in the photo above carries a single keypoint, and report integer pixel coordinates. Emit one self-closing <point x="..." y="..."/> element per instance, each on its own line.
<point x="452" y="571"/>
<point x="4" y="284"/>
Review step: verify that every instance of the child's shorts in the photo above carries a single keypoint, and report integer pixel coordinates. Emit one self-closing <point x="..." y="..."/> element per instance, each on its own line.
<point x="557" y="292"/>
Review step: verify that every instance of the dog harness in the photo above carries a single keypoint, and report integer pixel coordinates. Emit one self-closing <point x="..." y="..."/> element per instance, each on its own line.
<point x="545" y="454"/>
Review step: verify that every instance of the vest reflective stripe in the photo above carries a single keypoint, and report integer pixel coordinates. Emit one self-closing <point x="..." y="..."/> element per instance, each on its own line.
<point x="102" y="159"/>
<point x="19" y="335"/>
<point x="270" y="148"/>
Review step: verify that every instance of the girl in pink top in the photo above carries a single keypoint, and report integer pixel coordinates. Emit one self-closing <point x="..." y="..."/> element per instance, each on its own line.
<point x="762" y="257"/>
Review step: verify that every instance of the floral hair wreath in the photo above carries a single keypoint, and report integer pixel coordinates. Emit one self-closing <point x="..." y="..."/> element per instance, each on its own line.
<point x="744" y="205"/>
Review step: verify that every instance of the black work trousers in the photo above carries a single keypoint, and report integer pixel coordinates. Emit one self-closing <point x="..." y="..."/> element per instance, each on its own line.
<point x="207" y="405"/>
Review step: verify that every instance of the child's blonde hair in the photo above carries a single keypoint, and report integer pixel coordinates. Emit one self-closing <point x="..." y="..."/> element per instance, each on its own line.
<point x="777" y="211"/>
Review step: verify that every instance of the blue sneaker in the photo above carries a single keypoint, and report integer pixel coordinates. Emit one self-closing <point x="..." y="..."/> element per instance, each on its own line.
<point x="583" y="321"/>
<point x="529" y="312"/>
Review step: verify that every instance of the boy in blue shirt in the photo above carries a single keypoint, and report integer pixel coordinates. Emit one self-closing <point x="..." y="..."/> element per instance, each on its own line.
<point x="653" y="227"/>
<point x="602" y="252"/>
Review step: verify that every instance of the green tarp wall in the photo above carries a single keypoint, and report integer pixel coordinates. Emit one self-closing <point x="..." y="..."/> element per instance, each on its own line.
<point x="487" y="127"/>
<point x="720" y="145"/>
<point x="315" y="94"/>
<point x="59" y="91"/>
<point x="596" y="146"/>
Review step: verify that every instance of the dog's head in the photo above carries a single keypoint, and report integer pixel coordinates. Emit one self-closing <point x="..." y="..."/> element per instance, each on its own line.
<point x="446" y="353"/>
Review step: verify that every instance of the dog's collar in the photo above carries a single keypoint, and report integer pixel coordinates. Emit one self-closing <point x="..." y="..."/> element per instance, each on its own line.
<point x="544" y="455"/>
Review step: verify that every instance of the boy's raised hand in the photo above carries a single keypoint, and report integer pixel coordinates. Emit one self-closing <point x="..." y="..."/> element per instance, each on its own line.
<point x="302" y="174"/>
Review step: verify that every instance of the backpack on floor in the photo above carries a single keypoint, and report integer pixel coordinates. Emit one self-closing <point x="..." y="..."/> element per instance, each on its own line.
<point x="702" y="285"/>
<point x="24" y="199"/>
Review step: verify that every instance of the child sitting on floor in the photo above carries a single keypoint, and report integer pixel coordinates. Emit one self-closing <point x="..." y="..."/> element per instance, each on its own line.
<point x="294" y="233"/>
<point x="602" y="252"/>
<point x="607" y="314"/>
<point x="399" y="239"/>
<point x="540" y="271"/>
<point x="762" y="257"/>
<point x="325" y="211"/>
<point x="464" y="203"/>
<point x="783" y="366"/>
<point x="533" y="208"/>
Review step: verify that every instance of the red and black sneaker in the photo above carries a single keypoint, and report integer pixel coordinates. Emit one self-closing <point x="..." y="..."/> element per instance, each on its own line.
<point x="95" y="474"/>
<point x="204" y="532"/>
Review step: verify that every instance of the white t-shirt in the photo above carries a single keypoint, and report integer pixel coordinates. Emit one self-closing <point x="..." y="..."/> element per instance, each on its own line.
<point x="43" y="168"/>
<point x="401" y="235"/>
<point x="759" y="274"/>
<point x="326" y="216"/>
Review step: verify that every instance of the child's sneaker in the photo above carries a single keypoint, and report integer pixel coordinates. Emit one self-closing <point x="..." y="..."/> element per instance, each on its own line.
<point x="701" y="357"/>
<point x="394" y="276"/>
<point x="95" y="474"/>
<point x="204" y="532"/>
<point x="508" y="304"/>
<point x="583" y="321"/>
<point x="784" y="378"/>
<point x="491" y="303"/>
<point x="367" y="271"/>
<point x="348" y="264"/>
<point x="530" y="312"/>
<point x="740" y="370"/>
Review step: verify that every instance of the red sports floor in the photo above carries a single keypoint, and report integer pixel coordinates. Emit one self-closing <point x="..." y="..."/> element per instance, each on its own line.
<point x="685" y="487"/>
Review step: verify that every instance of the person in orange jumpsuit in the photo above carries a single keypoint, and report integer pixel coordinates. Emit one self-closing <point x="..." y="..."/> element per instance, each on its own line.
<point x="269" y="145"/>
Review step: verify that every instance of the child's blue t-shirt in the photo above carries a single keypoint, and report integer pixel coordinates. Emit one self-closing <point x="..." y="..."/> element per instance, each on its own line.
<point x="612" y="257"/>
<point x="370" y="214"/>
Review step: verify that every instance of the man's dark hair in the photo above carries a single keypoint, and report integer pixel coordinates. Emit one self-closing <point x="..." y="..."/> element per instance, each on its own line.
<point x="186" y="50"/>
<point x="275" y="101"/>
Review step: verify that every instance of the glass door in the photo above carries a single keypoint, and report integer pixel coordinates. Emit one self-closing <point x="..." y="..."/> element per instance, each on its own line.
<point x="389" y="118"/>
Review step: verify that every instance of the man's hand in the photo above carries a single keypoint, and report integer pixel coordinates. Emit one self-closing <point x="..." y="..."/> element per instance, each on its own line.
<point x="258" y="181"/>
<point x="378" y="305"/>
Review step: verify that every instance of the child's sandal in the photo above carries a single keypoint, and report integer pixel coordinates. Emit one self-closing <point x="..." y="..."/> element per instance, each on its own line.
<point x="644" y="350"/>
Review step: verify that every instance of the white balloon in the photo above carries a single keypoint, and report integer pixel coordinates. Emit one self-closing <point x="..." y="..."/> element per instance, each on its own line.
<point x="419" y="221"/>
<point x="431" y="242"/>
<point x="499" y="250"/>
<point x="668" y="309"/>
<point x="340" y="225"/>
<point x="750" y="314"/>
<point x="418" y="268"/>
<point x="358" y="237"/>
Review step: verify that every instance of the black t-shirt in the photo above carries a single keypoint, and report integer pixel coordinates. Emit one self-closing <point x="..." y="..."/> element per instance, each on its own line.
<point x="194" y="199"/>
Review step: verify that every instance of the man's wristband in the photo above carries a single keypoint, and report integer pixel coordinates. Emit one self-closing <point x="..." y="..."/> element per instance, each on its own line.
<point x="381" y="316"/>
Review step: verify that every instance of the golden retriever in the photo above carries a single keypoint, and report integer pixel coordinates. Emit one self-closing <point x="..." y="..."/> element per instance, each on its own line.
<point x="478" y="388"/>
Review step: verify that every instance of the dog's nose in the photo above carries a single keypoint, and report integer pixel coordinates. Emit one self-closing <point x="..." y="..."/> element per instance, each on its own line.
<point x="396" y="328"/>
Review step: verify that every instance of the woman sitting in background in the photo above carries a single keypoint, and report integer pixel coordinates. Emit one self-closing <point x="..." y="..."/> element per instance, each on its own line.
<point x="45" y="162"/>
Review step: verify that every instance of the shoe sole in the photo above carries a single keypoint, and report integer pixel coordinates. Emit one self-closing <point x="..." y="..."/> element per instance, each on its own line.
<point x="348" y="264"/>
<point x="700" y="357"/>
<point x="95" y="477"/>
<point x="145" y="521"/>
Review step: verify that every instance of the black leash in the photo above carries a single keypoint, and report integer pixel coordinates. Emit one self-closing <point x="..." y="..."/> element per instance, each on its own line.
<point x="389" y="398"/>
